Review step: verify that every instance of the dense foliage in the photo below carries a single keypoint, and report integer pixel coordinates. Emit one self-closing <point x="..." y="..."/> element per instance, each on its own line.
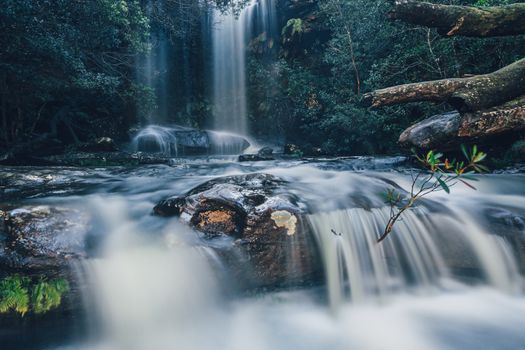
<point x="65" y="65"/>
<point x="321" y="77"/>
<point x="75" y="70"/>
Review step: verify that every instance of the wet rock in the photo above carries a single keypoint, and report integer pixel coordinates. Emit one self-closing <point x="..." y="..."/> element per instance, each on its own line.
<point x="182" y="141"/>
<point x="106" y="159"/>
<point x="293" y="150"/>
<point x="271" y="241"/>
<point x="42" y="238"/>
<point x="265" y="152"/>
<point x="170" y="207"/>
<point x="254" y="158"/>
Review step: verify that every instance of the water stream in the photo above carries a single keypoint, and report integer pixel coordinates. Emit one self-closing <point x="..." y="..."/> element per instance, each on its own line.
<point x="449" y="277"/>
<point x="231" y="34"/>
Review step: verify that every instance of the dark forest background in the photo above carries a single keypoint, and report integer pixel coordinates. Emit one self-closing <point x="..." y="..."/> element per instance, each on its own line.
<point x="68" y="70"/>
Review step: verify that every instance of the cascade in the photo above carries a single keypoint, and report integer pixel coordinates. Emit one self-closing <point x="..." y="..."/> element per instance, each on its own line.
<point x="230" y="37"/>
<point x="151" y="70"/>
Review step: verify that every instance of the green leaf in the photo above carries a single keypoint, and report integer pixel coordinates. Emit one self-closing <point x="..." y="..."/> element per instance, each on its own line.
<point x="479" y="157"/>
<point x="443" y="185"/>
<point x="465" y="152"/>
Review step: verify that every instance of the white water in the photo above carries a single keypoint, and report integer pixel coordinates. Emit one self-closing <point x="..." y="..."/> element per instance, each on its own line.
<point x="230" y="39"/>
<point x="162" y="287"/>
<point x="170" y="141"/>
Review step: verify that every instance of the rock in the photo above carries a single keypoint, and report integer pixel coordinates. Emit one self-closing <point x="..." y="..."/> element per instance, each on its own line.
<point x="265" y="152"/>
<point x="105" y="159"/>
<point x="254" y="158"/>
<point x="42" y="238"/>
<point x="102" y="144"/>
<point x="170" y="207"/>
<point x="271" y="241"/>
<point x="294" y="150"/>
<point x="182" y="141"/>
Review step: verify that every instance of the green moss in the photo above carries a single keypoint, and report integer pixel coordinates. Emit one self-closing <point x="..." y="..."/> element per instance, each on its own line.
<point x="21" y="294"/>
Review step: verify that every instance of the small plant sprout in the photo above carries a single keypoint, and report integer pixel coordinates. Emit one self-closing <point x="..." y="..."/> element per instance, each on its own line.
<point x="436" y="175"/>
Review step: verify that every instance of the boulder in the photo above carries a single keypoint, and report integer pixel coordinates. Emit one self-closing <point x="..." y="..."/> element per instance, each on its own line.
<point x="42" y="239"/>
<point x="182" y="141"/>
<point x="271" y="241"/>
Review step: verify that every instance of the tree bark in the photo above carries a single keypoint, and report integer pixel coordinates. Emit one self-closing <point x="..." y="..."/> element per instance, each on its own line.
<point x="450" y="129"/>
<point x="498" y="120"/>
<point x="470" y="21"/>
<point x="464" y="94"/>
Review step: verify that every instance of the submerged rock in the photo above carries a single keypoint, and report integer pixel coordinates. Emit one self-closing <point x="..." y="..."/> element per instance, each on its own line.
<point x="267" y="226"/>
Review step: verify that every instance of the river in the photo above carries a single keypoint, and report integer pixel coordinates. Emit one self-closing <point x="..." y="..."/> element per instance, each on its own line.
<point x="449" y="277"/>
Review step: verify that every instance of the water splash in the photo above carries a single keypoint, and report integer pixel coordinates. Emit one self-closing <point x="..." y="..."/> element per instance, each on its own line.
<point x="177" y="141"/>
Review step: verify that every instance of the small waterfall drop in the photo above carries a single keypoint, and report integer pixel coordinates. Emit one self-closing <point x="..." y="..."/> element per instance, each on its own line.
<point x="230" y="37"/>
<point x="429" y="250"/>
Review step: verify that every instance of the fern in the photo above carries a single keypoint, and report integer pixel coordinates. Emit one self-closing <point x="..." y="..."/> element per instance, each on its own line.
<point x="47" y="295"/>
<point x="14" y="295"/>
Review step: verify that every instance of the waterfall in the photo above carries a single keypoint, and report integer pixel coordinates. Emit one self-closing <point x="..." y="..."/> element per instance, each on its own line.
<point x="151" y="70"/>
<point x="445" y="271"/>
<point x="230" y="38"/>
<point x="424" y="254"/>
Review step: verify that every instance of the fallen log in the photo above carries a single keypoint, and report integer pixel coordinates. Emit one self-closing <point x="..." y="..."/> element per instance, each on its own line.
<point x="498" y="120"/>
<point x="464" y="94"/>
<point x="469" y="21"/>
<point x="447" y="130"/>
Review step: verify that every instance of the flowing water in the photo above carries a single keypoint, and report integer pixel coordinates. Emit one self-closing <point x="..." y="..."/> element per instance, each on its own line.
<point x="449" y="277"/>
<point x="152" y="68"/>
<point x="230" y="36"/>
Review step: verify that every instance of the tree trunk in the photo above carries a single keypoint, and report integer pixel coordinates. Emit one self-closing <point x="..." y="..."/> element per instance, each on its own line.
<point x="450" y="129"/>
<point x="470" y="21"/>
<point x="497" y="120"/>
<point x="465" y="94"/>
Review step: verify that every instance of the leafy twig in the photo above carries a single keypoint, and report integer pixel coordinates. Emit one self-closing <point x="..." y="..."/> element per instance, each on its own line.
<point x="437" y="176"/>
